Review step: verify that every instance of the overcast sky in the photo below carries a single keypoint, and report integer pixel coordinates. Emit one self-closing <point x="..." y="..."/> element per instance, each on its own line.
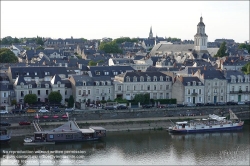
<point x="98" y="19"/>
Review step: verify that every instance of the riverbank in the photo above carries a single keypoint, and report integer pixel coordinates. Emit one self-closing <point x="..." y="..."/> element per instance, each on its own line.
<point x="111" y="125"/>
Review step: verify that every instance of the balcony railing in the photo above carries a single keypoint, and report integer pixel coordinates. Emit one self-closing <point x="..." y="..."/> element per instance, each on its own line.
<point x="239" y="92"/>
<point x="194" y="94"/>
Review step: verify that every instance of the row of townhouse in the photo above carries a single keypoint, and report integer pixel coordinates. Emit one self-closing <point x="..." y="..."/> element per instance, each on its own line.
<point x="108" y="83"/>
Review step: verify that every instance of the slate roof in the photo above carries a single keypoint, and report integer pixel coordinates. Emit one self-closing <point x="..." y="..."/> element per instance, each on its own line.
<point x="122" y="61"/>
<point x="39" y="70"/>
<point x="110" y="69"/>
<point x="55" y="79"/>
<point x="6" y="87"/>
<point x="212" y="74"/>
<point x="19" y="80"/>
<point x="90" y="81"/>
<point x="185" y="81"/>
<point x="236" y="73"/>
<point x="4" y="77"/>
<point x="161" y="47"/>
<point x="145" y="75"/>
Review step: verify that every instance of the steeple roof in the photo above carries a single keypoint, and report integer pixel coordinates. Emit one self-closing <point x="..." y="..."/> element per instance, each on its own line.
<point x="201" y="22"/>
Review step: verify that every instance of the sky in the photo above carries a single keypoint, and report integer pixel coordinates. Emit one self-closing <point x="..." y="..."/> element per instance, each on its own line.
<point x="114" y="19"/>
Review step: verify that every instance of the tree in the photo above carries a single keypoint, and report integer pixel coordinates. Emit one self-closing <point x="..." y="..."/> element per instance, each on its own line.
<point x="246" y="68"/>
<point x="110" y="47"/>
<point x="55" y="97"/>
<point x="13" y="102"/>
<point x="39" y="41"/>
<point x="30" y="98"/>
<point x="142" y="98"/>
<point x="222" y="50"/>
<point x="39" y="48"/>
<point x="7" y="56"/>
<point x="16" y="40"/>
<point x="71" y="101"/>
<point x="92" y="63"/>
<point x="244" y="46"/>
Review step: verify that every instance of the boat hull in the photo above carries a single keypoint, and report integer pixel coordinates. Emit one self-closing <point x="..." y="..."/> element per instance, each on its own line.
<point x="38" y="143"/>
<point x="206" y="130"/>
<point x="5" y="140"/>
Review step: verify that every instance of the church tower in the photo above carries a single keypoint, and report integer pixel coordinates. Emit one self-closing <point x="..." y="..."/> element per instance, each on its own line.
<point x="200" y="38"/>
<point x="151" y="33"/>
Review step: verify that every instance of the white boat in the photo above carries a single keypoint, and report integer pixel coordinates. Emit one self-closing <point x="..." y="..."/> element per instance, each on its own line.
<point x="5" y="136"/>
<point x="27" y="140"/>
<point x="212" y="123"/>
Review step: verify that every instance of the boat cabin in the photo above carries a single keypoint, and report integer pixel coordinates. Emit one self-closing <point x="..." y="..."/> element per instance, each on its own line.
<point x="181" y="124"/>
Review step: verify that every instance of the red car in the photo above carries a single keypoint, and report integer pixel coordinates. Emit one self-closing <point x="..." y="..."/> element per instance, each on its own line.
<point x="24" y="123"/>
<point x="161" y="106"/>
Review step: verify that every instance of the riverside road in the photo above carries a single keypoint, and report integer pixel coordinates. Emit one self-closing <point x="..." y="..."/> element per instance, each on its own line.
<point x="91" y="115"/>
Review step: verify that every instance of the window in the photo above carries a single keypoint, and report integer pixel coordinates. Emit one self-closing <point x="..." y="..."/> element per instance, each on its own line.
<point x="188" y="99"/>
<point x="194" y="83"/>
<point x="167" y="95"/>
<point x="148" y="79"/>
<point x="246" y="88"/>
<point x="97" y="91"/>
<point x="38" y="92"/>
<point x="161" y="78"/>
<point x="154" y="95"/>
<point x="51" y="136"/>
<point x="167" y="78"/>
<point x="167" y="87"/>
<point x="79" y="92"/>
<point x="47" y="92"/>
<point x="148" y="87"/>
<point x="215" y="83"/>
<point x="161" y="95"/>
<point x="89" y="92"/>
<point x="30" y="86"/>
<point x="134" y="87"/>
<point x="84" y="83"/>
<point x="215" y="90"/>
<point x="154" y="87"/>
<point x="65" y="92"/>
<point x="22" y="84"/>
<point x="208" y="98"/>
<point x="155" y="78"/>
<point x="160" y="87"/>
<point x="188" y="91"/>
<point x="200" y="99"/>
<point x="22" y="93"/>
<point x="119" y="87"/>
<point x="109" y="90"/>
<point x="221" y="83"/>
<point x="193" y="90"/>
<point x="69" y="136"/>
<point x="141" y="79"/>
<point x="199" y="91"/>
<point x="58" y="91"/>
<point x="221" y="90"/>
<point x="141" y="87"/>
<point x="221" y="98"/>
<point x="30" y="91"/>
<point x="232" y="88"/>
<point x="4" y="94"/>
<point x="128" y="87"/>
<point x="239" y="87"/>
<point x="127" y="79"/>
<point x="135" y="79"/>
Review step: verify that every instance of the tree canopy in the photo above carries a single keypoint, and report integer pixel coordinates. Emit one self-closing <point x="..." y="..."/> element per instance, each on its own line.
<point x="110" y="47"/>
<point x="124" y="39"/>
<point x="9" y="40"/>
<point x="39" y="40"/>
<point x="222" y="50"/>
<point x="246" y="68"/>
<point x="71" y="101"/>
<point x="7" y="56"/>
<point x="174" y="39"/>
<point x="142" y="98"/>
<point x="39" y="48"/>
<point x="246" y="46"/>
<point x="30" y="98"/>
<point x="55" y="97"/>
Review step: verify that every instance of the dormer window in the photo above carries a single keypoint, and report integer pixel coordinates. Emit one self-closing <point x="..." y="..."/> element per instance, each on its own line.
<point x="38" y="85"/>
<point x="194" y="83"/>
<point x="22" y="84"/>
<point x="27" y="73"/>
<point x="45" y="73"/>
<point x="188" y="83"/>
<point x="96" y="83"/>
<point x="47" y="85"/>
<point x="58" y="83"/>
<point x="141" y="78"/>
<point x="161" y="78"/>
<point x="199" y="83"/>
<point x="135" y="79"/>
<point x="30" y="86"/>
<point x="115" y="73"/>
<point x="35" y="73"/>
<point x="155" y="78"/>
<point x="167" y="78"/>
<point x="97" y="73"/>
<point x="127" y="79"/>
<point x="148" y="78"/>
<point x="84" y="83"/>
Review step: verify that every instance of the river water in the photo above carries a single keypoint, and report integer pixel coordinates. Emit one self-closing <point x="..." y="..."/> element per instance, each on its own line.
<point x="154" y="147"/>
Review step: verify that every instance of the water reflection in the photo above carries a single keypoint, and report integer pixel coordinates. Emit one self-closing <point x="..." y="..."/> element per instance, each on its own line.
<point x="138" y="148"/>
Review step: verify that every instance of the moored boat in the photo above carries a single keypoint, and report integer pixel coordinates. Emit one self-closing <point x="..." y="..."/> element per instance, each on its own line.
<point x="5" y="136"/>
<point x="210" y="124"/>
<point x="68" y="132"/>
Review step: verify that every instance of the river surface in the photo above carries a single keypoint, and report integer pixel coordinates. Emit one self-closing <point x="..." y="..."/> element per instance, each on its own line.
<point x="154" y="147"/>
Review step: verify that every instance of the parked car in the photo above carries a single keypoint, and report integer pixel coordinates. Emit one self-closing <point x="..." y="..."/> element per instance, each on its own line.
<point x="31" y="110"/>
<point x="146" y="106"/>
<point x="241" y="103"/>
<point x="69" y="109"/>
<point x="17" y="111"/>
<point x="122" y="107"/>
<point x="171" y="105"/>
<point x="109" y="108"/>
<point x="55" y="109"/>
<point x="180" y="105"/>
<point x="5" y="124"/>
<point x="199" y="104"/>
<point x="220" y="103"/>
<point x="209" y="104"/>
<point x="161" y="106"/>
<point x="3" y="112"/>
<point x="247" y="102"/>
<point x="43" y="110"/>
<point x="190" y="105"/>
<point x="231" y="103"/>
<point x="24" y="123"/>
